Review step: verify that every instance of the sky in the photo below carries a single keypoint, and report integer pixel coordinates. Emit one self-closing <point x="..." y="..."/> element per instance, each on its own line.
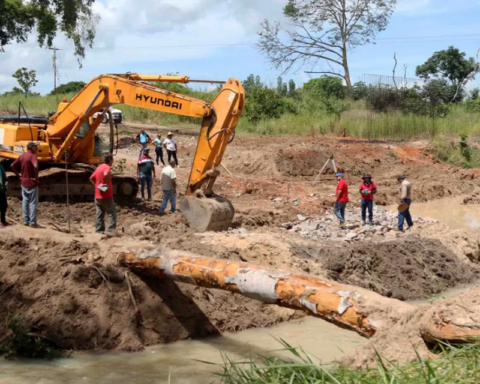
<point x="215" y="40"/>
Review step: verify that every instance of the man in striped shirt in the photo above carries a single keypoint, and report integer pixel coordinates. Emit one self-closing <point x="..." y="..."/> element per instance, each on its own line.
<point x="145" y="170"/>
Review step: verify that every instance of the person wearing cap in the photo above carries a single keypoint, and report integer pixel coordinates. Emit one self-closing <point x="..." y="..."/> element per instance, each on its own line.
<point x="143" y="139"/>
<point x="170" y="144"/>
<point x="367" y="190"/>
<point x="341" y="198"/>
<point x="169" y="187"/>
<point x="3" y="197"/>
<point x="159" y="149"/>
<point x="26" y="167"/>
<point x="101" y="179"/>
<point x="405" y="199"/>
<point x="145" y="170"/>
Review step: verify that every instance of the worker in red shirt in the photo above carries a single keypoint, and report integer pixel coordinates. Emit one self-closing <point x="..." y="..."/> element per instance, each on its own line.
<point x="341" y="199"/>
<point x="101" y="179"/>
<point x="367" y="190"/>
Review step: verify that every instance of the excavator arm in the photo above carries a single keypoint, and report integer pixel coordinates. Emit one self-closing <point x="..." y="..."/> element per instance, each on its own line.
<point x="70" y="133"/>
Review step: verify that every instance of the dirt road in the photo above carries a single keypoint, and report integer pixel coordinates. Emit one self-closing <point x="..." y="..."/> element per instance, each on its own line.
<point x="69" y="287"/>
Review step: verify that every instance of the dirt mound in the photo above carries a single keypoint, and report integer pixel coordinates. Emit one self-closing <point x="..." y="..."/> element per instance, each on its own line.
<point x="402" y="342"/>
<point x="73" y="293"/>
<point x="414" y="268"/>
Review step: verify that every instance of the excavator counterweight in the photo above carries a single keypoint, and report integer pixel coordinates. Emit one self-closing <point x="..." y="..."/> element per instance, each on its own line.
<point x="69" y="136"/>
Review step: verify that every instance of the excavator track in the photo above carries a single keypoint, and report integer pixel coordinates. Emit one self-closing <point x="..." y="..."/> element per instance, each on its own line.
<point x="53" y="184"/>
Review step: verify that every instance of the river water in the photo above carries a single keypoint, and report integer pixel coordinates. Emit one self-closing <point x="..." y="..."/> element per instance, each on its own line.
<point x="450" y="212"/>
<point x="179" y="363"/>
<point x="179" y="360"/>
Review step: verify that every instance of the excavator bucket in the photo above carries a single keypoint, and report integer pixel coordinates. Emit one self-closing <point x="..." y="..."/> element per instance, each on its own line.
<point x="207" y="213"/>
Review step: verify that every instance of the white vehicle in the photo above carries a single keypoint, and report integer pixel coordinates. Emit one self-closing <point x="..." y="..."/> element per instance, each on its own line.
<point x="116" y="114"/>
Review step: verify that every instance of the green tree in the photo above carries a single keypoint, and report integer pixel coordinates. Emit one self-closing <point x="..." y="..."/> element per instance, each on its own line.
<point x="450" y="64"/>
<point x="71" y="87"/>
<point x="26" y="79"/>
<point x="324" y="31"/>
<point x="264" y="103"/>
<point x="75" y="18"/>
<point x="292" y="89"/>
<point x="474" y="94"/>
<point x="360" y="90"/>
<point x="326" y="86"/>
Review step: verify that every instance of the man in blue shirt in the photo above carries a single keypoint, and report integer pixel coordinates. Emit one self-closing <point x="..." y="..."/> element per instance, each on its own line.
<point x="143" y="139"/>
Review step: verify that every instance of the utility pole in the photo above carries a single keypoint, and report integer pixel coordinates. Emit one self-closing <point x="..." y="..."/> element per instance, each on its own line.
<point x="54" y="69"/>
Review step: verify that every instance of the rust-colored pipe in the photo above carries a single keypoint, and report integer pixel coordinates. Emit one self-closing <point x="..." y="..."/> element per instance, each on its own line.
<point x="349" y="307"/>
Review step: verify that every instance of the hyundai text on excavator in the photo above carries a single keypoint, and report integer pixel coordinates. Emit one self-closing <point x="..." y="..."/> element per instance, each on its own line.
<point x="68" y="136"/>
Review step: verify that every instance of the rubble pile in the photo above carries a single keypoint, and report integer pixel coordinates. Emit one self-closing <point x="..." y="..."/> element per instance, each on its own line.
<point x="327" y="227"/>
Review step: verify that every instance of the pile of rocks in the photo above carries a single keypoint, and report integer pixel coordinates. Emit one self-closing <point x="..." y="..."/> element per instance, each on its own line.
<point x="327" y="227"/>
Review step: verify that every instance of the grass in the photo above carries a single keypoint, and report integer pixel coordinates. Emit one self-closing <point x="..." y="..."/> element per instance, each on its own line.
<point x="311" y="120"/>
<point x="457" y="365"/>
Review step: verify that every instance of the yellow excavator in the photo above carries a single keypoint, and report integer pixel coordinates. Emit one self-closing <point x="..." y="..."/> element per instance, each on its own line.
<point x="68" y="137"/>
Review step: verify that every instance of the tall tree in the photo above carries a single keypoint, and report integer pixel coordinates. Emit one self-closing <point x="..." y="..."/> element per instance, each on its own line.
<point x="450" y="64"/>
<point x="324" y="31"/>
<point x="74" y="18"/>
<point x="26" y="79"/>
<point x="292" y="88"/>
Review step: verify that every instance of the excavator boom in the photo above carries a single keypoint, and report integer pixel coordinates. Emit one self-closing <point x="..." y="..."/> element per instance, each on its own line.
<point x="69" y="135"/>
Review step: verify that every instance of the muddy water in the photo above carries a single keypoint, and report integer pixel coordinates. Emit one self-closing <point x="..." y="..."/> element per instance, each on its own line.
<point x="450" y="212"/>
<point x="178" y="360"/>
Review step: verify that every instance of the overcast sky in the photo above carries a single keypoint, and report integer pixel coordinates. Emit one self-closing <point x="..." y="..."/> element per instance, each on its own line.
<point x="215" y="39"/>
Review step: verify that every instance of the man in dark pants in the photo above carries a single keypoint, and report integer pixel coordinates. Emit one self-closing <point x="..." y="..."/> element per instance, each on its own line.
<point x="405" y="198"/>
<point x="146" y="173"/>
<point x="159" y="149"/>
<point x="26" y="167"/>
<point x="367" y="190"/>
<point x="170" y="144"/>
<point x="3" y="197"/>
<point x="102" y="181"/>
<point x="341" y="199"/>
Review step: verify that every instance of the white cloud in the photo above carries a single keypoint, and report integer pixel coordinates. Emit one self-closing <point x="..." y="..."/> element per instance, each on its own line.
<point x="131" y="35"/>
<point x="412" y="5"/>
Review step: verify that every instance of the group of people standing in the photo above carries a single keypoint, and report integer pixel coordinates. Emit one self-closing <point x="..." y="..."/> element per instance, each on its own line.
<point x="367" y="191"/>
<point x="146" y="167"/>
<point x="169" y="144"/>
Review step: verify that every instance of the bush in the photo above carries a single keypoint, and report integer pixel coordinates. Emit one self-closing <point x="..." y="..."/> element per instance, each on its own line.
<point x="360" y="90"/>
<point x="326" y="87"/>
<point x="264" y="103"/>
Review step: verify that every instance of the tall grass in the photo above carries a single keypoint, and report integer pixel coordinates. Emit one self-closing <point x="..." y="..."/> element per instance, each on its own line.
<point x="365" y="124"/>
<point x="456" y="366"/>
<point x="356" y="122"/>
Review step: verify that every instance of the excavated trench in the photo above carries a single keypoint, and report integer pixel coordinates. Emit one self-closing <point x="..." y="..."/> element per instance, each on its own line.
<point x="70" y="289"/>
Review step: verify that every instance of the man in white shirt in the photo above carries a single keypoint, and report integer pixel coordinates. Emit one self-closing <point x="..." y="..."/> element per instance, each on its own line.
<point x="170" y="144"/>
<point x="169" y="187"/>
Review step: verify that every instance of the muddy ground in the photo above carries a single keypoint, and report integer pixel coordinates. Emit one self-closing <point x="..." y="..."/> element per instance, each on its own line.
<point x="69" y="288"/>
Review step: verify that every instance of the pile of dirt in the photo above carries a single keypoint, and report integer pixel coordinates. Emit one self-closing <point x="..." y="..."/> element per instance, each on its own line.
<point x="403" y="341"/>
<point x="73" y="293"/>
<point x="415" y="268"/>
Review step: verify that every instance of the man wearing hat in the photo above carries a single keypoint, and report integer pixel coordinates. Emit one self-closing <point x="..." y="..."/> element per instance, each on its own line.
<point x="145" y="170"/>
<point x="341" y="199"/>
<point x="367" y="190"/>
<point x="26" y="167"/>
<point x="170" y="144"/>
<point x="405" y="202"/>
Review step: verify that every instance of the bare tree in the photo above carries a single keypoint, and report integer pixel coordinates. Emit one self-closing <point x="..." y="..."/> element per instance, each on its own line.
<point x="324" y="30"/>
